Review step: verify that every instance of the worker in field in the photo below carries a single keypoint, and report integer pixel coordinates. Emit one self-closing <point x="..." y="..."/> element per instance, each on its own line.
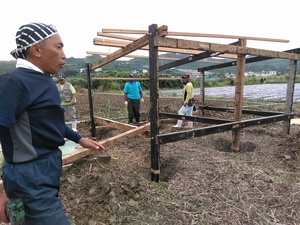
<point x="188" y="101"/>
<point x="67" y="94"/>
<point x="133" y="96"/>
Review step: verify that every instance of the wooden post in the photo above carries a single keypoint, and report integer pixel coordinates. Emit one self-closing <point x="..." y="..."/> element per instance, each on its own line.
<point x="238" y="101"/>
<point x="289" y="95"/>
<point x="154" y="117"/>
<point x="202" y="91"/>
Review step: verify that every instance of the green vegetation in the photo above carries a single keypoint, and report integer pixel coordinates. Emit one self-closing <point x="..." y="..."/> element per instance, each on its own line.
<point x="75" y="69"/>
<point x="117" y="85"/>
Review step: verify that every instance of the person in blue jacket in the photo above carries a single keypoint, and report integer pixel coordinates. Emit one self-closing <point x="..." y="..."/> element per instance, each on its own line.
<point x="32" y="127"/>
<point x="133" y="96"/>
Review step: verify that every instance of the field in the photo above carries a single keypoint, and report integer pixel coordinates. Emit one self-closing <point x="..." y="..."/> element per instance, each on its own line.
<point x="202" y="180"/>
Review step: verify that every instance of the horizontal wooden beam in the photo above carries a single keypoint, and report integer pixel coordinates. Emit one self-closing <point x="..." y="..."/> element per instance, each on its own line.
<point x="183" y="50"/>
<point x="136" y="78"/>
<point x="82" y="152"/>
<point x="199" y="132"/>
<point x="172" y="33"/>
<point x="244" y="111"/>
<point x="147" y="57"/>
<point x="212" y="47"/>
<point x="114" y="124"/>
<point x="137" y="44"/>
<point x="194" y="118"/>
<point x="248" y="60"/>
<point x="116" y="36"/>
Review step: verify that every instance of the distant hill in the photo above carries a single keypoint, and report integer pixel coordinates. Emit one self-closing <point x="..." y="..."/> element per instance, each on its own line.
<point x="74" y="65"/>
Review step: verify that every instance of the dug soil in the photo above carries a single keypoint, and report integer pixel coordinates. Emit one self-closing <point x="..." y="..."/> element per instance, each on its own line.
<point x="202" y="181"/>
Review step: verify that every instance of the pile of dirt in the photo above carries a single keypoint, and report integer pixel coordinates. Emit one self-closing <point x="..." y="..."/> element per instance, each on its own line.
<point x="201" y="180"/>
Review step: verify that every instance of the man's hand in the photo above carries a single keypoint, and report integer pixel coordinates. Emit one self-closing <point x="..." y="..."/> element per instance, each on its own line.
<point x="126" y="103"/>
<point x="91" y="144"/>
<point x="3" y="201"/>
<point x="142" y="99"/>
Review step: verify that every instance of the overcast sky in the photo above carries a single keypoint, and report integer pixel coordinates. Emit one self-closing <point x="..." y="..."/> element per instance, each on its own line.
<point x="79" y="21"/>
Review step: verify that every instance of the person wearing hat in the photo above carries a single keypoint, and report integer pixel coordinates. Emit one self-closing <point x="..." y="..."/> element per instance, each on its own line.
<point x="67" y="94"/>
<point x="133" y="96"/>
<point x="32" y="127"/>
<point x="187" y="102"/>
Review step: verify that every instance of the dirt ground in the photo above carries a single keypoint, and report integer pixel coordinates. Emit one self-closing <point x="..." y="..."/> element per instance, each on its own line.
<point x="201" y="180"/>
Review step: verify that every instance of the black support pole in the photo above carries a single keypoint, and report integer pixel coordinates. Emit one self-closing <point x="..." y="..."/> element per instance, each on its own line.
<point x="153" y="68"/>
<point x="89" y="84"/>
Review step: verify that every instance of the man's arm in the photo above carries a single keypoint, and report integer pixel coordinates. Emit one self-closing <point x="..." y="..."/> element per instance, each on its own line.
<point x="73" y="92"/>
<point x="125" y="99"/>
<point x="3" y="201"/>
<point x="73" y="100"/>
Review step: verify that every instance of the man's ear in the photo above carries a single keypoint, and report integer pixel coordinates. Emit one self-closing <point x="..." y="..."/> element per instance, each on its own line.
<point x="34" y="50"/>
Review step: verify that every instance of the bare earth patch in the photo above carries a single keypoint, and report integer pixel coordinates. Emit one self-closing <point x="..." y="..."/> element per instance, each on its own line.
<point x="202" y="180"/>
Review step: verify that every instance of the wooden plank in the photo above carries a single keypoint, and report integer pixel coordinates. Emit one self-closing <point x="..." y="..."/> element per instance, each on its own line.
<point x="212" y="47"/>
<point x="137" y="78"/>
<point x="189" y="34"/>
<point x="106" y="143"/>
<point x="116" y="36"/>
<point x="137" y="44"/>
<point x="199" y="132"/>
<point x="147" y="57"/>
<point x="121" y="126"/>
<point x="119" y="44"/>
<point x="105" y="40"/>
<point x="114" y="124"/>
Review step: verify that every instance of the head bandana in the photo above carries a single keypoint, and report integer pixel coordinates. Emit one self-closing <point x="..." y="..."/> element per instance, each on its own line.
<point x="30" y="34"/>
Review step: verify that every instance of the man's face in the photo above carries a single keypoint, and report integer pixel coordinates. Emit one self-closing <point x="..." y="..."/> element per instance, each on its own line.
<point x="52" y="57"/>
<point x="185" y="80"/>
<point x="61" y="81"/>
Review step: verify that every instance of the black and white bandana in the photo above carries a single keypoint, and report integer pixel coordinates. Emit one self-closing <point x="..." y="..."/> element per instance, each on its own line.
<point x="30" y="34"/>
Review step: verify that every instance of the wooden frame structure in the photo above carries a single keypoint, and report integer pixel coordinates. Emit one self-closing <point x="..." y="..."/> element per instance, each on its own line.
<point x="155" y="40"/>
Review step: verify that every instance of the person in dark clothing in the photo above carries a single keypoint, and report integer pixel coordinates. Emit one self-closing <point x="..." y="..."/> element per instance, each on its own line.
<point x="32" y="127"/>
<point x="133" y="96"/>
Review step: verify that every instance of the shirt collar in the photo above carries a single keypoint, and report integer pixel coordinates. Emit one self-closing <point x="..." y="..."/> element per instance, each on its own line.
<point x="22" y="63"/>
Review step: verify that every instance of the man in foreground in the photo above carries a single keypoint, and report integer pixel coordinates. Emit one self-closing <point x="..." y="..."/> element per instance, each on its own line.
<point x="32" y="127"/>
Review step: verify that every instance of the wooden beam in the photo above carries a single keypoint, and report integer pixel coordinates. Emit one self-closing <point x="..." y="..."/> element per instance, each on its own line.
<point x="106" y="143"/>
<point x="248" y="60"/>
<point x="147" y="57"/>
<point x="137" y="44"/>
<point x="114" y="124"/>
<point x="116" y="36"/>
<point x="212" y="47"/>
<point x="120" y="126"/>
<point x="199" y="132"/>
<point x="172" y="33"/>
<point x="182" y="50"/>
